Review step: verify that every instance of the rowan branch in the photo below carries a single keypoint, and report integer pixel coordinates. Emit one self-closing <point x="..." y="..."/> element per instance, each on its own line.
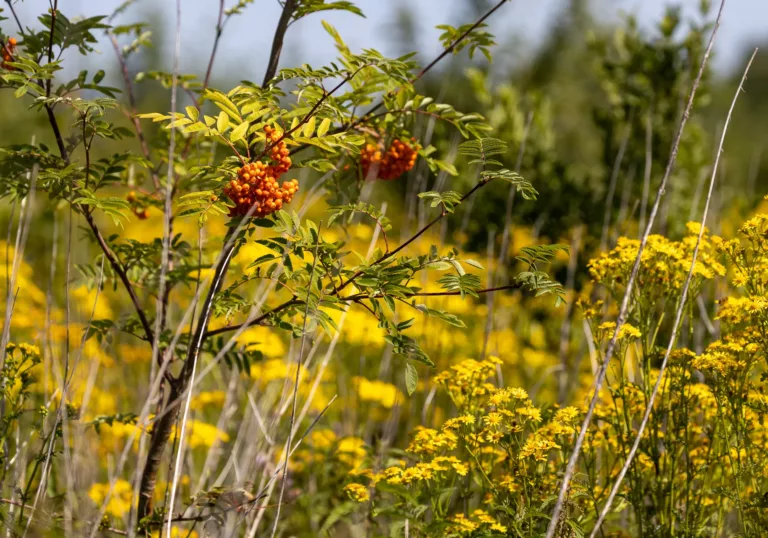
<point x="311" y="112"/>
<point x="351" y="299"/>
<point x="111" y="257"/>
<point x="371" y="113"/>
<point x="277" y="42"/>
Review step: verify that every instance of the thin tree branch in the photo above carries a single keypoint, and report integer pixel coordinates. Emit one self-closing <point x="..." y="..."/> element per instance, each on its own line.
<point x="447" y="51"/>
<point x="418" y="234"/>
<point x="311" y="112"/>
<point x="219" y="30"/>
<point x="54" y="11"/>
<point x="15" y="16"/>
<point x="116" y="266"/>
<point x="122" y="275"/>
<point x="277" y="42"/>
<point x="354" y="299"/>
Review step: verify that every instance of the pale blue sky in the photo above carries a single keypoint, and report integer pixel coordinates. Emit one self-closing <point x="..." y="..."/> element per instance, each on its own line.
<point x="248" y="37"/>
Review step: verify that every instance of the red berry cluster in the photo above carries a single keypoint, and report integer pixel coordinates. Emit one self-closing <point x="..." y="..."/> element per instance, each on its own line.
<point x="394" y="162"/>
<point x="256" y="183"/>
<point x="9" y="50"/>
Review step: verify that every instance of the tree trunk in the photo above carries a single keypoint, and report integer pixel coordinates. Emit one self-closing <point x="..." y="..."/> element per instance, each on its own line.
<point x="161" y="432"/>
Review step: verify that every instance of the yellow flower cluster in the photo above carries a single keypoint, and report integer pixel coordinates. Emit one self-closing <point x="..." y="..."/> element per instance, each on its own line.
<point x="748" y="309"/>
<point x="499" y="438"/>
<point x="627" y="332"/>
<point x="538" y="448"/>
<point x="120" y="501"/>
<point x="480" y="520"/>
<point x="465" y="382"/>
<point x="201" y="435"/>
<point x="351" y="451"/>
<point x="429" y="441"/>
<point x="431" y="470"/>
<point x="357" y="492"/>
<point x="726" y="357"/>
<point x="664" y="264"/>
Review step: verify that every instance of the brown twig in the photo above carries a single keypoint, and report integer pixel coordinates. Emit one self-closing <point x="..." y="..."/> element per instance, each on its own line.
<point x="293" y="301"/>
<point x="111" y="257"/>
<point x="117" y="267"/>
<point x="219" y="30"/>
<point x="418" y="234"/>
<point x="354" y="299"/>
<point x="277" y="42"/>
<point x="311" y="112"/>
<point x="54" y="10"/>
<point x="15" y="16"/>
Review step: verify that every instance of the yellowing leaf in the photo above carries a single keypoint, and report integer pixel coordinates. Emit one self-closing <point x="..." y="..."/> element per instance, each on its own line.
<point x="223" y="122"/>
<point x="238" y="132"/>
<point x="193" y="113"/>
<point x="411" y="378"/>
<point x="324" y="126"/>
<point x="309" y="128"/>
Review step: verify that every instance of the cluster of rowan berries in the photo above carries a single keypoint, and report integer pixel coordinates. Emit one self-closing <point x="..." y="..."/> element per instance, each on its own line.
<point x="9" y="50"/>
<point x="141" y="212"/>
<point x="256" y="183"/>
<point x="399" y="158"/>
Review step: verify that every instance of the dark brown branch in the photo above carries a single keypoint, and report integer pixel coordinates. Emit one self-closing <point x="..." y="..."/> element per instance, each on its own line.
<point x="15" y="16"/>
<point x="311" y="112"/>
<point x="277" y="42"/>
<point x="161" y="431"/>
<point x="418" y="234"/>
<point x="351" y="299"/>
<point x="54" y="10"/>
<point x="255" y="321"/>
<point x="448" y="50"/>
<point x="292" y="302"/>
<point x="199" y="99"/>
<point x="116" y="266"/>
<point x="515" y="286"/>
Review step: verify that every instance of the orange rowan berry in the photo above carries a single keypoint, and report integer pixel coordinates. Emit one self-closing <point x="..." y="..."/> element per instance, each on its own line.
<point x="8" y="52"/>
<point x="256" y="183"/>
<point x="131" y="197"/>
<point x="398" y="159"/>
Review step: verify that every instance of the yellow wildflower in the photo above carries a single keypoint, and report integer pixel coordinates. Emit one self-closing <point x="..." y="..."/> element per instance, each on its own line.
<point x="357" y="492"/>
